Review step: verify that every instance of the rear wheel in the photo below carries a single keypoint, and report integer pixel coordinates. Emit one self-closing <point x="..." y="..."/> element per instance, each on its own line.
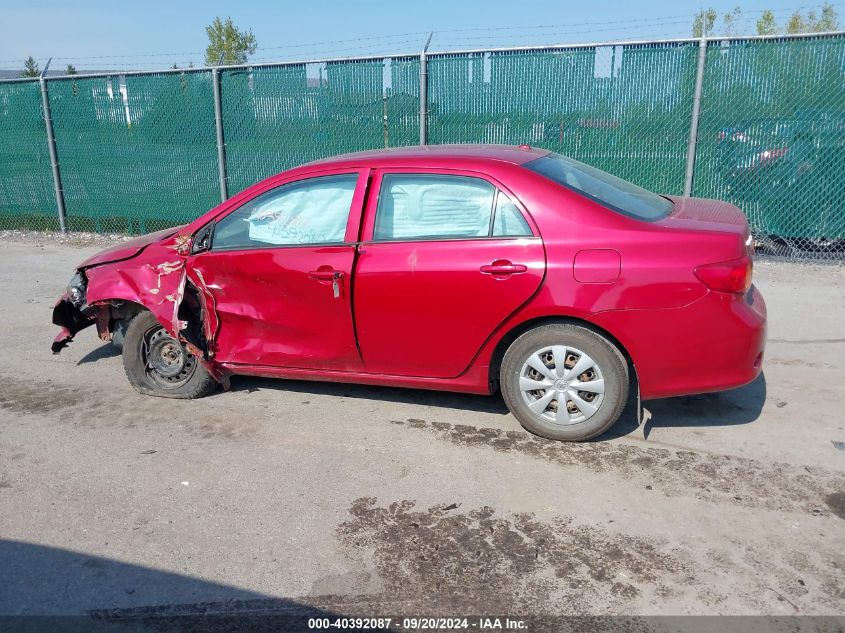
<point x="157" y="364"/>
<point x="564" y="382"/>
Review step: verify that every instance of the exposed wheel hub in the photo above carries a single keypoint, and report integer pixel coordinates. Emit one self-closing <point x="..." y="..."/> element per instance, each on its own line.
<point x="167" y="357"/>
<point x="166" y="360"/>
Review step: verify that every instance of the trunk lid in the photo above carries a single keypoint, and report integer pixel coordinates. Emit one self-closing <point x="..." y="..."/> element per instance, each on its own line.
<point x="706" y="215"/>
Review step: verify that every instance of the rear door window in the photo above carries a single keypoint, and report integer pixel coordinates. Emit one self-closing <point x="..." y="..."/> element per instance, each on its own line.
<point x="440" y="206"/>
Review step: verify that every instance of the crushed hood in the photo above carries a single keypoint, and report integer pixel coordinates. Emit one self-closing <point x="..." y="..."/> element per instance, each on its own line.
<point x="128" y="249"/>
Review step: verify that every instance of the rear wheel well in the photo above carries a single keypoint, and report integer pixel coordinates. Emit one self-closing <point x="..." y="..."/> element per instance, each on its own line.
<point x="513" y="334"/>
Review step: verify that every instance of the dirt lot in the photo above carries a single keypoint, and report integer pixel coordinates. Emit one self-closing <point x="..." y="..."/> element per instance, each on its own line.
<point x="364" y="500"/>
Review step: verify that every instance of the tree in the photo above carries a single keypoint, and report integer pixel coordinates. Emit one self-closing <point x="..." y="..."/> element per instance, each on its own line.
<point x="767" y="25"/>
<point x="829" y="20"/>
<point x="70" y="70"/>
<point x="703" y="23"/>
<point x="731" y="21"/>
<point x="809" y="23"/>
<point x="227" y="41"/>
<point x="30" y="68"/>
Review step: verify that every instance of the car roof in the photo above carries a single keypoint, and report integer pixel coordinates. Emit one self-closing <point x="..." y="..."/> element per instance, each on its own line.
<point x="435" y="155"/>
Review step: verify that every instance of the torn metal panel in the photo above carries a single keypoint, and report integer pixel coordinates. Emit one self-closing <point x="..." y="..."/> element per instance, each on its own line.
<point x="157" y="287"/>
<point x="209" y="317"/>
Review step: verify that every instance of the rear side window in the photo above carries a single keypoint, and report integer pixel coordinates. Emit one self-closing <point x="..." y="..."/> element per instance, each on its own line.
<point x="608" y="190"/>
<point x="509" y="221"/>
<point x="420" y="206"/>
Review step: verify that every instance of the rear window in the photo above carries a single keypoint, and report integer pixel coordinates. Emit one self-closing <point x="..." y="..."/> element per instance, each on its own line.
<point x="609" y="191"/>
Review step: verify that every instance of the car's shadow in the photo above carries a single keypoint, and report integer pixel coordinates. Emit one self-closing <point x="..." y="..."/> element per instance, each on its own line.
<point x="737" y="406"/>
<point x="99" y="353"/>
<point x="442" y="399"/>
<point x="728" y="408"/>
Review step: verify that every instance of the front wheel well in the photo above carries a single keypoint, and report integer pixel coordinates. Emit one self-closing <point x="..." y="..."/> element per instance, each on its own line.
<point x="520" y="329"/>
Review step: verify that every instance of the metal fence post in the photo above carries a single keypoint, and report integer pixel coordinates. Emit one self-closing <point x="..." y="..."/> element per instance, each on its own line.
<point x="696" y="111"/>
<point x="218" y="124"/>
<point x="424" y="91"/>
<point x="51" y="145"/>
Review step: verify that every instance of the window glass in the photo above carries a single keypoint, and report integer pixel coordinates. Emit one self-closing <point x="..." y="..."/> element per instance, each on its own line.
<point x="606" y="189"/>
<point x="313" y="211"/>
<point x="509" y="221"/>
<point x="413" y="206"/>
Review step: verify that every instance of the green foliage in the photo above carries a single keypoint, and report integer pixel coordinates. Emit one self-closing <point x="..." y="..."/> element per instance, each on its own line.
<point x="30" y="68"/>
<point x="731" y="22"/>
<point x="70" y="70"/>
<point x="767" y="25"/>
<point x="704" y="21"/>
<point x="809" y="22"/>
<point x="227" y="42"/>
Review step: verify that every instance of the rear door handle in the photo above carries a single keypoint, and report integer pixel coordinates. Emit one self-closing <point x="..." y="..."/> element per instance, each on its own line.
<point x="503" y="267"/>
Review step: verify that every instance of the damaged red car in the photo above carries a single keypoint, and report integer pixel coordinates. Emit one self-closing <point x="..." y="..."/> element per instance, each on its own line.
<point x="463" y="268"/>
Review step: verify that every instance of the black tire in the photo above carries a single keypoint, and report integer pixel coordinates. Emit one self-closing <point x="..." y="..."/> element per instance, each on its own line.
<point x="144" y="337"/>
<point x="608" y="365"/>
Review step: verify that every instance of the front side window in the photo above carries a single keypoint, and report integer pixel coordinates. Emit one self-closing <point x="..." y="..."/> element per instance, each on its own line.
<point x="435" y="206"/>
<point x="313" y="211"/>
<point x="608" y="190"/>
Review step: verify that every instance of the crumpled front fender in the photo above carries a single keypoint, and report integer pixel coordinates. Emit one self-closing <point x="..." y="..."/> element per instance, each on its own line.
<point x="156" y="280"/>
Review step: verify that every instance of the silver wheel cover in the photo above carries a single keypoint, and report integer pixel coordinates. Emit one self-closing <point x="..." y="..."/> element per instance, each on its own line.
<point x="561" y="385"/>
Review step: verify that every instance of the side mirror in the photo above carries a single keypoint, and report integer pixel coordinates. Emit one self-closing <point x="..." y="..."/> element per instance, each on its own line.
<point x="202" y="239"/>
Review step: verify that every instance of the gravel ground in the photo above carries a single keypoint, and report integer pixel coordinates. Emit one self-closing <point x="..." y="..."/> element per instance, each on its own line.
<point x="367" y="500"/>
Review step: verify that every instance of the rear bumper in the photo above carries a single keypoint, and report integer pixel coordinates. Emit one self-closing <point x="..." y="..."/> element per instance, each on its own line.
<point x="714" y="344"/>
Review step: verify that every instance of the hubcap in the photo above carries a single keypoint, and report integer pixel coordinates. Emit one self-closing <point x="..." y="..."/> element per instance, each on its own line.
<point x="166" y="360"/>
<point x="562" y="385"/>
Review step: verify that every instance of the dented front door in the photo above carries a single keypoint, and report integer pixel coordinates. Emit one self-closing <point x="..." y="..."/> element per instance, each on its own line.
<point x="277" y="275"/>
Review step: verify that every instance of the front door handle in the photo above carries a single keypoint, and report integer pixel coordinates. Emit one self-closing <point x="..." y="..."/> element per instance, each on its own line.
<point x="503" y="267"/>
<point x="326" y="275"/>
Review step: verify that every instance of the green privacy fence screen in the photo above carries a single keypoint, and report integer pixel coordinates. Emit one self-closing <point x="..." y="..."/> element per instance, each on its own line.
<point x="278" y="117"/>
<point x="26" y="182"/>
<point x="139" y="151"/>
<point x="772" y="137"/>
<point x="135" y="155"/>
<point x="625" y="109"/>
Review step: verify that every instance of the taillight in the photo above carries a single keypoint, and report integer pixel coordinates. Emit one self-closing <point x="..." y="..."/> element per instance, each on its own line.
<point x="770" y="155"/>
<point x="732" y="276"/>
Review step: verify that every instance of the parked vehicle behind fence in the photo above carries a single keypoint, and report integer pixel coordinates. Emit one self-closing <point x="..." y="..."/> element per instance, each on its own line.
<point x="463" y="268"/>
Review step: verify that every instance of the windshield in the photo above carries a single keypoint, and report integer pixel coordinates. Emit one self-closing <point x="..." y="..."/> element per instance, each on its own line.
<point x="610" y="191"/>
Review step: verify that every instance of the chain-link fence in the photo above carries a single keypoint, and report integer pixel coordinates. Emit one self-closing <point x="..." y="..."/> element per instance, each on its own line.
<point x="772" y="140"/>
<point x="140" y="151"/>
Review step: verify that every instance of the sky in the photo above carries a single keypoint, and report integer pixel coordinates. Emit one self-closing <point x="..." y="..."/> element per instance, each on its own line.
<point x="96" y="35"/>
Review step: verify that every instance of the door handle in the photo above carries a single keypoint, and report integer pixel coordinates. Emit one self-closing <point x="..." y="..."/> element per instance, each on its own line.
<point x="326" y="275"/>
<point x="503" y="267"/>
<point x="333" y="276"/>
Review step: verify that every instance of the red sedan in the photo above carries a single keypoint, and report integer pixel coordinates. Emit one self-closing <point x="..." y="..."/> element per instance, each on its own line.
<point x="463" y="268"/>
